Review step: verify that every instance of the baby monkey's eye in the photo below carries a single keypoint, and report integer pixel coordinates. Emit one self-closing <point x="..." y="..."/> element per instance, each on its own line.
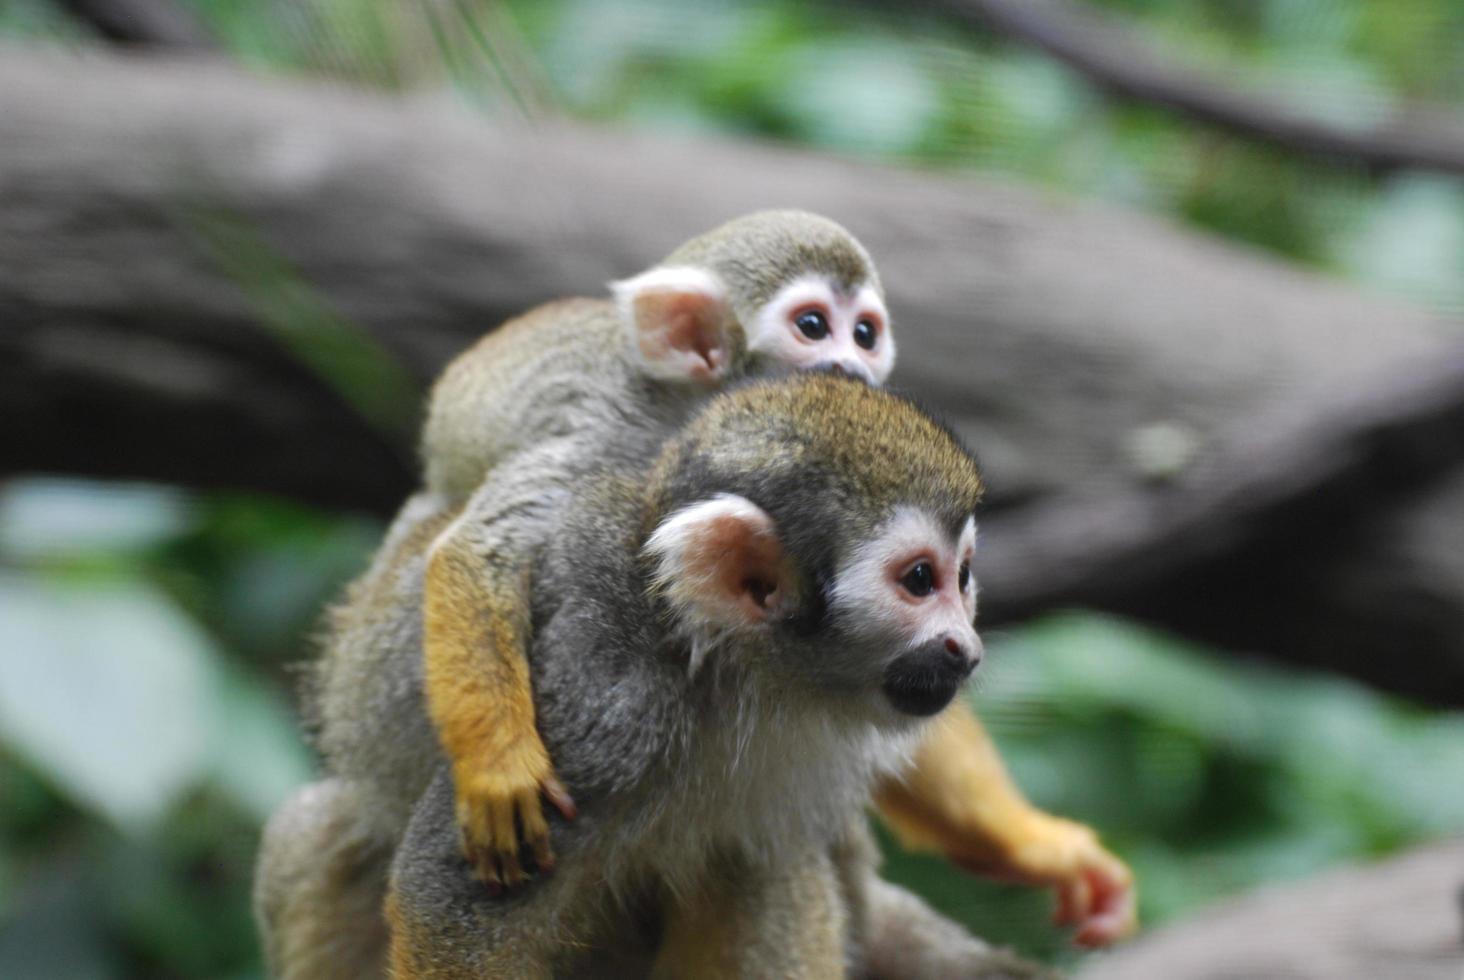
<point x="965" y="578"/>
<point x="920" y="580"/>
<point x="812" y="324"/>
<point x="864" y="334"/>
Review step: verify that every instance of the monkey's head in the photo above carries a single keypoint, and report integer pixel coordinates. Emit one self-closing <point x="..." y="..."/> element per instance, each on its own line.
<point x="820" y="530"/>
<point x="763" y="294"/>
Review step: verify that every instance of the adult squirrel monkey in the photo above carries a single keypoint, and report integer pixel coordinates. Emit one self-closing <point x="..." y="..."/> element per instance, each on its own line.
<point x="570" y="388"/>
<point x="733" y="640"/>
<point x="518" y="425"/>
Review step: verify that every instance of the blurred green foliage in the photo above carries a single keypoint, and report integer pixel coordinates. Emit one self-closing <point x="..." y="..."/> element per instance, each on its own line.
<point x="147" y="636"/>
<point x="1210" y="777"/>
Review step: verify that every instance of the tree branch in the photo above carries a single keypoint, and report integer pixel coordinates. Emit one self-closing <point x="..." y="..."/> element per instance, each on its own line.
<point x="181" y="244"/>
<point x="1116" y="61"/>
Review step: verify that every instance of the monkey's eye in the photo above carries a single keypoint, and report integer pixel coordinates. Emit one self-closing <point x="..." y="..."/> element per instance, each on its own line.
<point x="920" y="580"/>
<point x="812" y="324"/>
<point x="965" y="578"/>
<point x="864" y="334"/>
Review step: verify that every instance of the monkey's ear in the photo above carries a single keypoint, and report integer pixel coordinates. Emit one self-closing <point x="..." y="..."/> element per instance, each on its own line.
<point x="721" y="564"/>
<point x="678" y="318"/>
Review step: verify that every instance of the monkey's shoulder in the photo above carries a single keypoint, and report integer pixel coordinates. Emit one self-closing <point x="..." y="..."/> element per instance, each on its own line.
<point x="606" y="689"/>
<point x="587" y="572"/>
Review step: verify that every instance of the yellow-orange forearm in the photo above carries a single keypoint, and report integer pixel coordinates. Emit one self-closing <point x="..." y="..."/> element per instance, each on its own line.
<point x="958" y="799"/>
<point x="477" y="676"/>
<point x="478" y="690"/>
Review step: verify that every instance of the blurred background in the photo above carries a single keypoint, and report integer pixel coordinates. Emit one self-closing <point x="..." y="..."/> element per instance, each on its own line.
<point x="150" y="630"/>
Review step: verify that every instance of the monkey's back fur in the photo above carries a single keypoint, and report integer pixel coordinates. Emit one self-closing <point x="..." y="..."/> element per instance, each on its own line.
<point x="555" y="373"/>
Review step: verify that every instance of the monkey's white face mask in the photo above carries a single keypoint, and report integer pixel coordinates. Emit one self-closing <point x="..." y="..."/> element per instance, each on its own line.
<point x="910" y="590"/>
<point x="809" y="324"/>
<point x="907" y="593"/>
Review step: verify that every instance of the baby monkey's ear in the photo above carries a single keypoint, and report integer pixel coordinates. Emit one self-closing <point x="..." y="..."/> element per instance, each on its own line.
<point x="678" y="318"/>
<point x="721" y="565"/>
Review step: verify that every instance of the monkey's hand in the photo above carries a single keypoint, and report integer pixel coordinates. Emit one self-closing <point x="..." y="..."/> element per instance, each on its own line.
<point x="1095" y="890"/>
<point x="499" y="812"/>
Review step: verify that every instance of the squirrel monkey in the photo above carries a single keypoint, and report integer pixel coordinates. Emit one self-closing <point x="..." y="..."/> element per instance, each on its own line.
<point x="760" y="294"/>
<point x="517" y="425"/>
<point x="549" y="399"/>
<point x="732" y="643"/>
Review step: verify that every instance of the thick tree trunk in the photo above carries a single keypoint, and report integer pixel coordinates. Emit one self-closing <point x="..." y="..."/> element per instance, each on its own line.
<point x="1171" y="427"/>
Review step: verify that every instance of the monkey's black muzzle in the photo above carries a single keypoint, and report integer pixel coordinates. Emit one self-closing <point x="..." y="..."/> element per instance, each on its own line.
<point x="925" y="680"/>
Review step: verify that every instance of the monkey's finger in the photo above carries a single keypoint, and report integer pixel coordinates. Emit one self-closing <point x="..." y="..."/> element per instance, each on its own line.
<point x="536" y="830"/>
<point x="1106" y="871"/>
<point x="1114" y="911"/>
<point x="555" y="792"/>
<point x="485" y="868"/>
<point x="513" y="871"/>
<point x="491" y="885"/>
<point x="1109" y="924"/>
<point x="1074" y="898"/>
<point x="505" y="842"/>
<point x="473" y="838"/>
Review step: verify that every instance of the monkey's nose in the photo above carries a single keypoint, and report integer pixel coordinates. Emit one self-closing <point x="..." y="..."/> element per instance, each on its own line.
<point x="968" y="655"/>
<point x="845" y="369"/>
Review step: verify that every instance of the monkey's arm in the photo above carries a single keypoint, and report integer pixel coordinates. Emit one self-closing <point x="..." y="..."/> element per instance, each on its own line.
<point x="475" y="635"/>
<point x="959" y="799"/>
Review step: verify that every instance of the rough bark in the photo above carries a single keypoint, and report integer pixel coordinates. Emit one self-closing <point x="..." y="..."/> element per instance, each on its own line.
<point x="1122" y="64"/>
<point x="1402" y="919"/>
<point x="1157" y="412"/>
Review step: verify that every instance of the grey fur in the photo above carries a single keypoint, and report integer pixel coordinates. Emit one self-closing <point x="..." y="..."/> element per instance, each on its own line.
<point x="319" y="911"/>
<point x="736" y="775"/>
<point x="749" y="771"/>
<point x="541" y="403"/>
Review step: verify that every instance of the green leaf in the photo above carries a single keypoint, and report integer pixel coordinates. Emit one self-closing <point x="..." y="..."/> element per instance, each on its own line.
<point x="256" y="756"/>
<point x="43" y="518"/>
<point x="109" y="690"/>
<point x="1413" y="242"/>
<point x="869" y="95"/>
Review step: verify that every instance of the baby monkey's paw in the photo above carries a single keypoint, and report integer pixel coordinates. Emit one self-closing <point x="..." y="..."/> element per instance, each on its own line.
<point x="500" y="814"/>
<point x="1095" y="890"/>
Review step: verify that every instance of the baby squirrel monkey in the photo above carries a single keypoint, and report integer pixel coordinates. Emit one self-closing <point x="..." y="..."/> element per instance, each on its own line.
<point x="733" y="639"/>
<point x="534" y="409"/>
